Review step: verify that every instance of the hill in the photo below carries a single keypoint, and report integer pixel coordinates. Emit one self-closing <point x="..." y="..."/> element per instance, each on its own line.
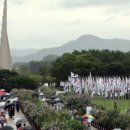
<point x="84" y="42"/>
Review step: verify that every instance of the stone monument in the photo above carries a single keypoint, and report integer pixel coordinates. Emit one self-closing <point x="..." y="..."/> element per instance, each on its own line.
<point x="5" y="55"/>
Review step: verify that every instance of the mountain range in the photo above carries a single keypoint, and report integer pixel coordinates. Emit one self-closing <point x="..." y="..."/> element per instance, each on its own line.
<point x="84" y="42"/>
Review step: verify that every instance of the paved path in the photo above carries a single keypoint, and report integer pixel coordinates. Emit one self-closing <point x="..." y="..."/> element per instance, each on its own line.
<point x="94" y="128"/>
<point x="11" y="122"/>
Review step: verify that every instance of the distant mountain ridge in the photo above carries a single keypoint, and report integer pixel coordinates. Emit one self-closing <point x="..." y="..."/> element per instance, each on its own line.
<point x="84" y="42"/>
<point x="22" y="52"/>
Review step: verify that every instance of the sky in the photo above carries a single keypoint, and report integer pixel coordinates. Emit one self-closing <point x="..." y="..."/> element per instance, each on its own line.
<point x="38" y="24"/>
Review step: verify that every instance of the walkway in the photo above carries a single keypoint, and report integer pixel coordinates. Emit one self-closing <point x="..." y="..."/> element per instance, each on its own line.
<point x="11" y="122"/>
<point x="94" y="128"/>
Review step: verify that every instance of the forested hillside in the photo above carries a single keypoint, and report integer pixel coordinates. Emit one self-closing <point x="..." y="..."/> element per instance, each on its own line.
<point x="99" y="63"/>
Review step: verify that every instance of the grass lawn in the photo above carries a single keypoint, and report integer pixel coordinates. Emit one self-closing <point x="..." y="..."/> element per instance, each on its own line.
<point x="122" y="104"/>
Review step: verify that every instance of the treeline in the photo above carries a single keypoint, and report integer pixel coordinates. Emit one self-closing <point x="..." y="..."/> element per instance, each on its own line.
<point x="100" y="63"/>
<point x="38" y="66"/>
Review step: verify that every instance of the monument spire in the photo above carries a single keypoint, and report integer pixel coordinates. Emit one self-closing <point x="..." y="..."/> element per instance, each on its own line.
<point x="5" y="55"/>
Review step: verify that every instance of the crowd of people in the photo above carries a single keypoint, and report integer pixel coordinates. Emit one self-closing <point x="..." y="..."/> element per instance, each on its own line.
<point x="11" y="107"/>
<point x="56" y="103"/>
<point x="9" y="110"/>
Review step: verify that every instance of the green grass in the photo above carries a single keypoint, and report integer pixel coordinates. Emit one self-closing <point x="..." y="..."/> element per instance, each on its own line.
<point x="122" y="104"/>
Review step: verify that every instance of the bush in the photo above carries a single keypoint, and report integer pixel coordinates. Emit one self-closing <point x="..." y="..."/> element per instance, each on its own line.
<point x="76" y="125"/>
<point x="113" y="118"/>
<point x="78" y="101"/>
<point x="43" y="115"/>
<point x="48" y="91"/>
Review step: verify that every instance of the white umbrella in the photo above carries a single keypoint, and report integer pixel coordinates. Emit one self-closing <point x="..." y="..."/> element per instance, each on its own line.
<point x="7" y="94"/>
<point x="57" y="99"/>
<point x="2" y="104"/>
<point x="41" y="94"/>
<point x="59" y="105"/>
<point x="19" y="121"/>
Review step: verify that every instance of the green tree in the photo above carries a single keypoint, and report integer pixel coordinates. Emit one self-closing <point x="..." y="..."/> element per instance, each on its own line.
<point x="20" y="82"/>
<point x="36" y="78"/>
<point x="100" y="63"/>
<point x="4" y="76"/>
<point x="23" y="69"/>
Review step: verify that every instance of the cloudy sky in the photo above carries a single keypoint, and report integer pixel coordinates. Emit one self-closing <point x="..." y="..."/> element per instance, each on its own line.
<point x="51" y="23"/>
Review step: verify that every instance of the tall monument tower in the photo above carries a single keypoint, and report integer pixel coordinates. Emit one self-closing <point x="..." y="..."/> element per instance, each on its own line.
<point x="5" y="55"/>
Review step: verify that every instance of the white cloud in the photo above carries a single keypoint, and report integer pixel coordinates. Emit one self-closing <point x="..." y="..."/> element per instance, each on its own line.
<point x="17" y="2"/>
<point x="45" y="23"/>
<point x="81" y="3"/>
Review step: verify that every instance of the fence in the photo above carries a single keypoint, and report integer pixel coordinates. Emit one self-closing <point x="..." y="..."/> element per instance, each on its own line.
<point x="99" y="127"/>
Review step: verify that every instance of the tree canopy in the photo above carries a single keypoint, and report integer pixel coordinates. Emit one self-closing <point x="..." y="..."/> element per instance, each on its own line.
<point x="100" y="63"/>
<point x="11" y="79"/>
